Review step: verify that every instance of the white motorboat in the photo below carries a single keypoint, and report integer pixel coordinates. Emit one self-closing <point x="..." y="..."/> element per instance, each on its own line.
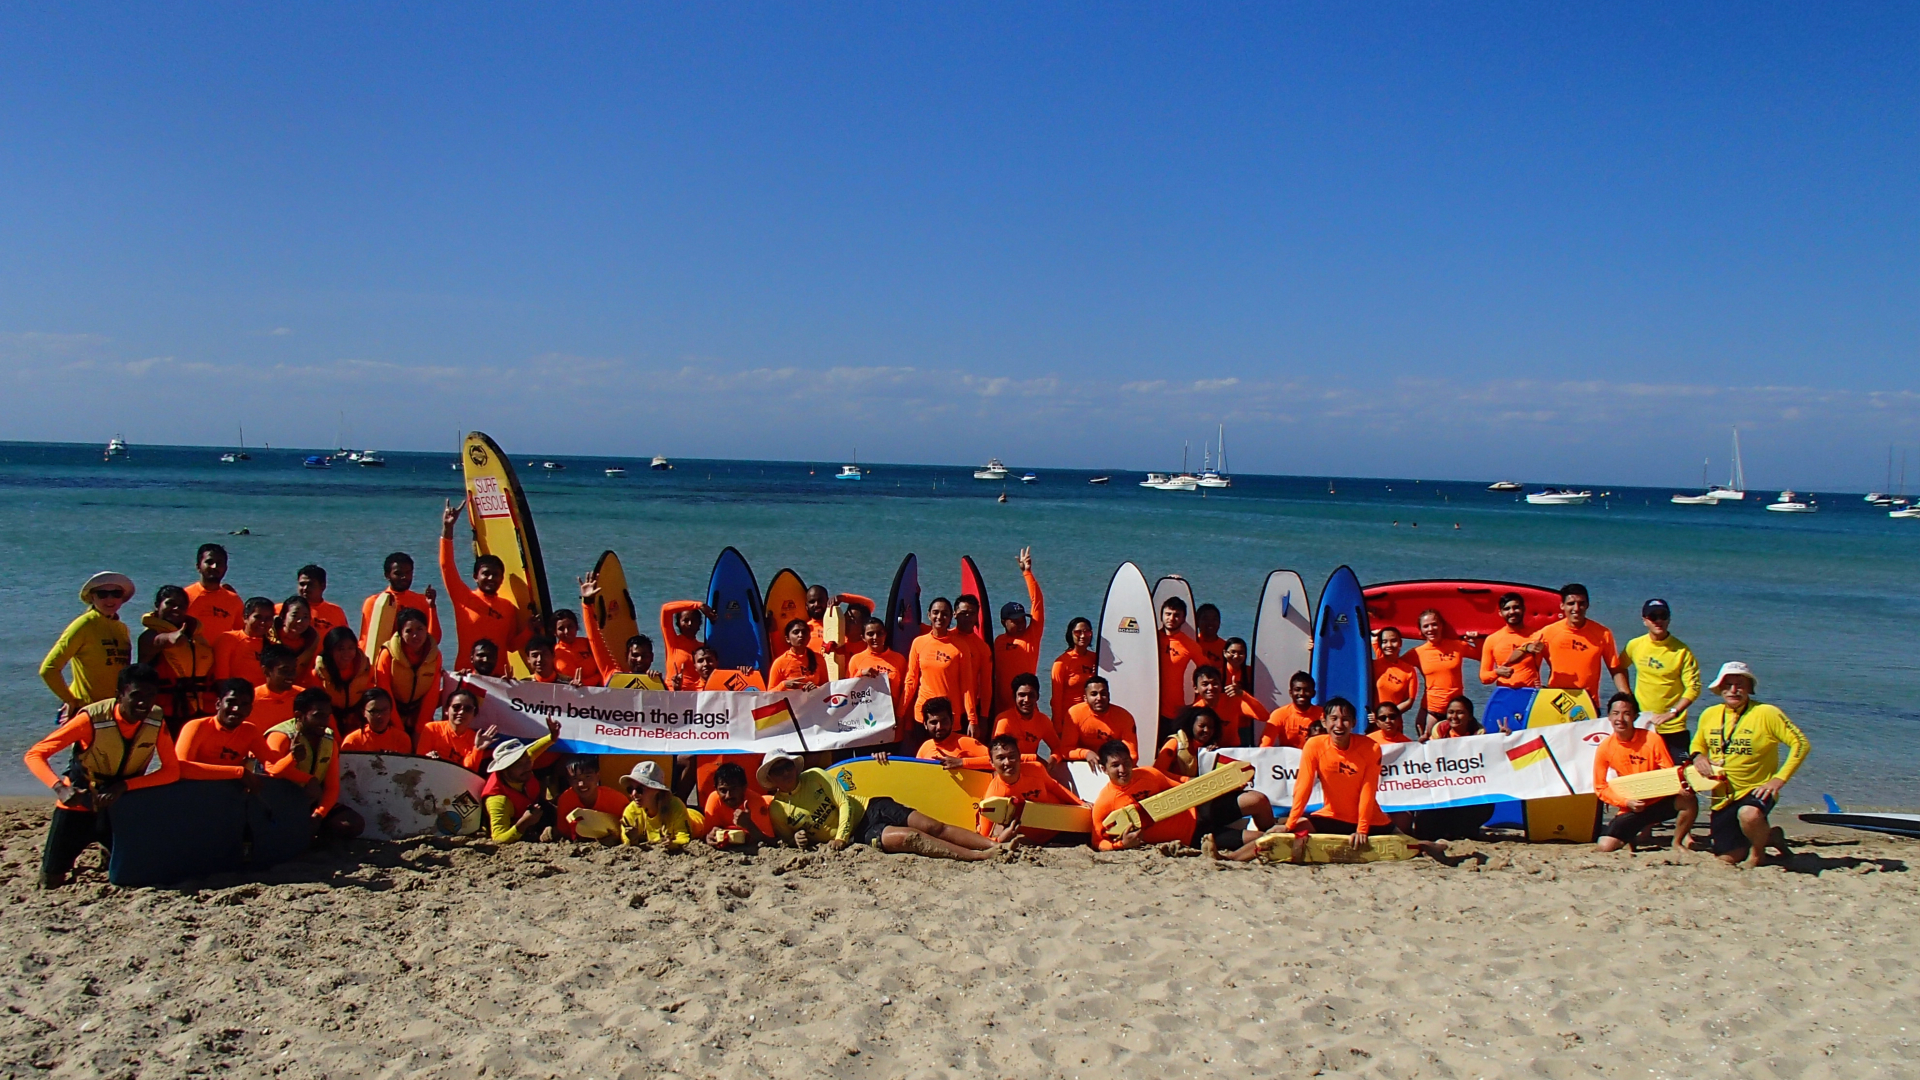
<point x="553" y="466"/>
<point x="849" y="472"/>
<point x="659" y="463"/>
<point x="1506" y="485"/>
<point x="371" y="459"/>
<point x="229" y="458"/>
<point x="1154" y="480"/>
<point x="1905" y="512"/>
<point x="616" y="472"/>
<point x="994" y="470"/>
<point x="1029" y="478"/>
<point x="116" y="449"/>
<point x="1790" y="503"/>
<point x="1559" y="497"/>
<point x="1735" y="488"/>
<point x="1181" y="482"/>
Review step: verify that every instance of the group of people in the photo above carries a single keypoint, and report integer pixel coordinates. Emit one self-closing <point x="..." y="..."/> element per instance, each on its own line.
<point x="217" y="687"/>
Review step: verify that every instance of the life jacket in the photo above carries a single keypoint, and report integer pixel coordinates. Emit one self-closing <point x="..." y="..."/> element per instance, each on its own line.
<point x="112" y="756"/>
<point x="412" y="684"/>
<point x="186" y="673"/>
<point x="346" y="699"/>
<point x="315" y="759"/>
<point x="497" y="785"/>
<point x="1184" y="754"/>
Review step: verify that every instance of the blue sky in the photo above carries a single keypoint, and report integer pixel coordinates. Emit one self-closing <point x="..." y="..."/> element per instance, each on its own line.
<point x="1566" y="242"/>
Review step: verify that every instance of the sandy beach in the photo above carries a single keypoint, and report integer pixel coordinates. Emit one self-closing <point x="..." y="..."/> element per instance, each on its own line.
<point x="439" y="958"/>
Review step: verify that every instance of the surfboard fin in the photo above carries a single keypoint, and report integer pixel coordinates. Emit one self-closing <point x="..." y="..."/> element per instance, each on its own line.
<point x="1832" y="806"/>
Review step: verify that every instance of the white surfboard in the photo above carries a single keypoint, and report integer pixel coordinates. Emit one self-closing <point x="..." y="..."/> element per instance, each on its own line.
<point x="401" y="795"/>
<point x="1130" y="654"/>
<point x="1282" y="636"/>
<point x="1173" y="585"/>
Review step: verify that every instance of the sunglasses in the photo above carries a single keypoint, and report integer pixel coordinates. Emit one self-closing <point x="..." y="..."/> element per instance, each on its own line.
<point x="110" y="592"/>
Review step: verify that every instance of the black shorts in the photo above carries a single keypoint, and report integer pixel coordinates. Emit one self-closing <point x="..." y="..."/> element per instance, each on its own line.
<point x="1679" y="746"/>
<point x="1628" y="824"/>
<point x="1336" y="827"/>
<point x="1217" y="813"/>
<point x="882" y="814"/>
<point x="1725" y="824"/>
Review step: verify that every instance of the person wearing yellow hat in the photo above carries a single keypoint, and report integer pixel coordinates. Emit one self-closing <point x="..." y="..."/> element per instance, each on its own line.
<point x="93" y="647"/>
<point x="1740" y="741"/>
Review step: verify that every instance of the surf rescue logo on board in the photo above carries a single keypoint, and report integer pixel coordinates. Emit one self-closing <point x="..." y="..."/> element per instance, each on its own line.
<point x="1128" y="625"/>
<point x="488" y="500"/>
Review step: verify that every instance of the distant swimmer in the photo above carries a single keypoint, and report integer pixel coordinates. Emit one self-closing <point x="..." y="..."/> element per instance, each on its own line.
<point x="242" y="531"/>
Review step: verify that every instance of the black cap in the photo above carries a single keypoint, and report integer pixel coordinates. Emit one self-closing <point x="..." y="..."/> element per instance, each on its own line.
<point x="1656" y="608"/>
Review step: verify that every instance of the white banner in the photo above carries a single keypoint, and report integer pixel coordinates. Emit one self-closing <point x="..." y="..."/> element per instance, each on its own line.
<point x="603" y="720"/>
<point x="1531" y="763"/>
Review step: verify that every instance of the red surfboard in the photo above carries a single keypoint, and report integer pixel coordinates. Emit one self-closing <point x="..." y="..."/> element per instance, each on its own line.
<point x="1469" y="607"/>
<point x="972" y="582"/>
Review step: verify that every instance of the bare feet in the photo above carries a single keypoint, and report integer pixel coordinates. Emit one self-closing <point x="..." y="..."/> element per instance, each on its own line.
<point x="1208" y="848"/>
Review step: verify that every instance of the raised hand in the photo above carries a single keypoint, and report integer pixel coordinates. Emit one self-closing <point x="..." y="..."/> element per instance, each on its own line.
<point x="1026" y="559"/>
<point x="450" y="515"/>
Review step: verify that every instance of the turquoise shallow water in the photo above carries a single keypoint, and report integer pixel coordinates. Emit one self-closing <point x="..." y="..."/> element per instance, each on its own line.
<point x="1822" y="606"/>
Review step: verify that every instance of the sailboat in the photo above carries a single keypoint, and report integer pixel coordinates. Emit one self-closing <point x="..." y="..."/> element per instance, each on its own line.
<point x="852" y="471"/>
<point x="1698" y="500"/>
<point x="1217" y="478"/>
<point x="241" y="454"/>
<point x="1736" y="486"/>
<point x="1883" y="498"/>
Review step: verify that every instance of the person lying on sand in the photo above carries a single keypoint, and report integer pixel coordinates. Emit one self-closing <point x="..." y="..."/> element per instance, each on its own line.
<point x="515" y="802"/>
<point x="586" y="792"/>
<point x="654" y="815"/>
<point x="1201" y="729"/>
<point x="1741" y="740"/>
<point x="1016" y="776"/>
<point x="1628" y="751"/>
<point x="735" y="815"/>
<point x="808" y="806"/>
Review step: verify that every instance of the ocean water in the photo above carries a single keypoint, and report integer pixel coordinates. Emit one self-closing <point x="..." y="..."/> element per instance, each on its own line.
<point x="1823" y="606"/>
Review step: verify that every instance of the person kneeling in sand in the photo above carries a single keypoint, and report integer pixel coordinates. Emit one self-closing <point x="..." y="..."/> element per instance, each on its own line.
<point x="308" y="755"/>
<point x="735" y="815"/>
<point x="808" y="805"/>
<point x="1130" y="783"/>
<point x="1631" y="750"/>
<point x="1740" y="741"/>
<point x="654" y="814"/>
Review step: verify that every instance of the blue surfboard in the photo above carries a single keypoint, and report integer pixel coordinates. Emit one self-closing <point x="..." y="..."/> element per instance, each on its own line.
<point x="186" y="829"/>
<point x="738" y="630"/>
<point x="1343" y="646"/>
<point x="903" y="606"/>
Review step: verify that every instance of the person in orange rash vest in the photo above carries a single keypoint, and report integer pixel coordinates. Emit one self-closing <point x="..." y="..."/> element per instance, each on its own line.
<point x="937" y="666"/>
<point x="479" y="612"/>
<point x="680" y="625"/>
<point x="1097" y="720"/>
<point x="210" y="599"/>
<point x="1178" y="653"/>
<point x="1072" y="669"/>
<point x="880" y="660"/>
<point x="1016" y="776"/>
<point x="971" y="639"/>
<point x="1016" y="650"/>
<point x="572" y="652"/>
<point x="398" y="570"/>
<point x="1441" y="656"/>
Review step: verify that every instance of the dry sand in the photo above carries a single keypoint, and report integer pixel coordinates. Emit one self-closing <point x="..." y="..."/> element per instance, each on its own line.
<point x="452" y="959"/>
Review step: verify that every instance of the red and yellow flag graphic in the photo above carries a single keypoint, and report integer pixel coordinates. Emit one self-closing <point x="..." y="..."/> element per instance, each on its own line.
<point x="771" y="716"/>
<point x="1531" y="752"/>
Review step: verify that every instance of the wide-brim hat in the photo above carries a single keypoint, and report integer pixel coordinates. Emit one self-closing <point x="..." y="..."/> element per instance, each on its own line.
<point x="1731" y="668"/>
<point x="505" y="753"/>
<point x="105" y="577"/>
<point x="645" y="774"/>
<point x="768" y="763"/>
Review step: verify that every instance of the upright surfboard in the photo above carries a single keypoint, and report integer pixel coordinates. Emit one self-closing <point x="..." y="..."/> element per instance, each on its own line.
<point x="1282" y="637"/>
<point x="972" y="582"/>
<point x="503" y="527"/>
<point x="1172" y="585"/>
<point x="613" y="609"/>
<point x="379" y="628"/>
<point x="1469" y="607"/>
<point x="1343" y="646"/>
<point x="833" y="630"/>
<point x="903" y="606"/>
<point x="1130" y="654"/>
<point x="738" y="630"/>
<point x="786" y="601"/>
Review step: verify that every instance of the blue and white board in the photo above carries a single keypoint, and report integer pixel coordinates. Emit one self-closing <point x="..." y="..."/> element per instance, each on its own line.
<point x="1343" y="646"/>
<point x="401" y="795"/>
<point x="738" y="630"/>
<point x="1282" y="637"/>
<point x="1130" y="654"/>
